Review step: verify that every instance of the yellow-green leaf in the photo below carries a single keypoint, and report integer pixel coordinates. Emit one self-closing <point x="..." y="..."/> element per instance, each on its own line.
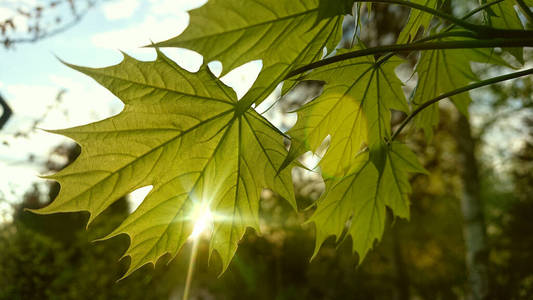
<point x="359" y="200"/>
<point x="283" y="34"/>
<point x="182" y="133"/>
<point x="354" y="110"/>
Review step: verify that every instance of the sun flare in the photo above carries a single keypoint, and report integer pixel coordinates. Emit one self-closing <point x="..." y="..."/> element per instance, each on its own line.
<point x="203" y="219"/>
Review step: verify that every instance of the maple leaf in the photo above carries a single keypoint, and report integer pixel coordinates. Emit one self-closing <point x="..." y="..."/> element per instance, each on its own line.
<point x="183" y="134"/>
<point x="442" y="71"/>
<point x="362" y="196"/>
<point x="283" y="34"/>
<point x="354" y="110"/>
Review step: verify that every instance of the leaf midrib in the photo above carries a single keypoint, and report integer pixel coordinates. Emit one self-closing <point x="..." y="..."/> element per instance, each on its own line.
<point x="152" y="150"/>
<point x="243" y="28"/>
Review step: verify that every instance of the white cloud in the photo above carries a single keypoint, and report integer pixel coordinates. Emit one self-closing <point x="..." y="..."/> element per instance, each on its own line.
<point x="120" y="9"/>
<point x="5" y="13"/>
<point x="242" y="77"/>
<point x="29" y="101"/>
<point x="162" y="7"/>
<point x="151" y="29"/>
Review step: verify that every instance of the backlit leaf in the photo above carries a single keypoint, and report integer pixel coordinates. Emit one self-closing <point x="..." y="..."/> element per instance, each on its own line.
<point x="359" y="199"/>
<point x="182" y="133"/>
<point x="354" y="110"/>
<point x="283" y="34"/>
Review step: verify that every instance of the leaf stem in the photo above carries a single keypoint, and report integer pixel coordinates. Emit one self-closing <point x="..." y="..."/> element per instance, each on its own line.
<point x="458" y="91"/>
<point x="463" y="44"/>
<point x="444" y="34"/>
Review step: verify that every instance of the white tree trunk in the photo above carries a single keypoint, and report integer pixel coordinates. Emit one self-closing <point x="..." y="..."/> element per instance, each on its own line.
<point x="473" y="215"/>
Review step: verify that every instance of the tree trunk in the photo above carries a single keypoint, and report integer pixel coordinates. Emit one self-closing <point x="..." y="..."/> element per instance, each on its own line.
<point x="473" y="215"/>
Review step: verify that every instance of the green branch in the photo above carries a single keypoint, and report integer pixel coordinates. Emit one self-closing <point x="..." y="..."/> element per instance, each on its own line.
<point x="466" y="44"/>
<point x="458" y="91"/>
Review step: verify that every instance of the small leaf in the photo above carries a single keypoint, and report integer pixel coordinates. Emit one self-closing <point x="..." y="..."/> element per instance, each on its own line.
<point x="354" y="109"/>
<point x="362" y="197"/>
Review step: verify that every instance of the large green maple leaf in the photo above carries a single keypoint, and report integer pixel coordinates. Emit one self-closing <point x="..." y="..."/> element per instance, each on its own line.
<point x="360" y="198"/>
<point x="353" y="109"/>
<point x="283" y="34"/>
<point x="188" y="136"/>
<point x="184" y="134"/>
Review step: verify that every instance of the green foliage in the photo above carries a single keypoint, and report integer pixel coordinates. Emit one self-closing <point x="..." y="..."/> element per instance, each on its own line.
<point x="188" y="136"/>
<point x="354" y="109"/>
<point x="44" y="257"/>
<point x="374" y="191"/>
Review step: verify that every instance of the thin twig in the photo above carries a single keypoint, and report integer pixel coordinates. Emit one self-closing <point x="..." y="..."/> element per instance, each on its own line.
<point x="458" y="91"/>
<point x="7" y="42"/>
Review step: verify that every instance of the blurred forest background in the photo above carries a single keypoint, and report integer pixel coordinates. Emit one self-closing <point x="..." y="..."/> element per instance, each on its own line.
<point x="53" y="257"/>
